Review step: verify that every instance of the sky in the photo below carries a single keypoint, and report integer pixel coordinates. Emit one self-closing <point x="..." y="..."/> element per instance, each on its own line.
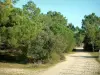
<point x="73" y="10"/>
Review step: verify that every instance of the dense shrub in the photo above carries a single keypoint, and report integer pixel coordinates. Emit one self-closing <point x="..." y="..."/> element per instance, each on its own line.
<point x="42" y="37"/>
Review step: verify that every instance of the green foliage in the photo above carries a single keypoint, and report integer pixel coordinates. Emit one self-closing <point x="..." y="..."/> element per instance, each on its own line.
<point x="71" y="26"/>
<point x="78" y="34"/>
<point x="43" y="37"/>
<point x="91" y="26"/>
<point x="54" y="39"/>
<point x="97" y="41"/>
<point x="41" y="46"/>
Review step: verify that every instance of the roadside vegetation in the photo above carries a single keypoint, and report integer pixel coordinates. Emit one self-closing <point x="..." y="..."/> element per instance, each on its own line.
<point x="91" y="28"/>
<point x="29" y="36"/>
<point x="96" y="54"/>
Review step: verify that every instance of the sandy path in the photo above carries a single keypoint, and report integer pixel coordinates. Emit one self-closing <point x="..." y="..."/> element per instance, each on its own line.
<point x="15" y="71"/>
<point x="80" y="63"/>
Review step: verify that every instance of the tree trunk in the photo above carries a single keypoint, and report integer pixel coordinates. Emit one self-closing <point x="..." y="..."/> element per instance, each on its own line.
<point x="93" y="47"/>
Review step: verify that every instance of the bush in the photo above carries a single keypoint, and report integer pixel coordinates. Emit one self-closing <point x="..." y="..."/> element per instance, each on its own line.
<point x="42" y="37"/>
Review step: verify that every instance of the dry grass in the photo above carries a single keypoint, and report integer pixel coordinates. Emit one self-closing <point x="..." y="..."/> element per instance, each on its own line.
<point x="20" y="69"/>
<point x="96" y="54"/>
<point x="23" y="69"/>
<point x="24" y="66"/>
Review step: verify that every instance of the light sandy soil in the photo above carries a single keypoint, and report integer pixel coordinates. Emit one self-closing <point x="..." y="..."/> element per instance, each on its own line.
<point x="79" y="63"/>
<point x="16" y="71"/>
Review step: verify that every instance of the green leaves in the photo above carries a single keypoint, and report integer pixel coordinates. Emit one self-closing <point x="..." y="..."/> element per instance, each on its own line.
<point x="91" y="26"/>
<point x="40" y="36"/>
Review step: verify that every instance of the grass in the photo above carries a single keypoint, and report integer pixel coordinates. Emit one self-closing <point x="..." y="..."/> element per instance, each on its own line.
<point x="24" y="66"/>
<point x="9" y="62"/>
<point x="96" y="54"/>
<point x="21" y="69"/>
<point x="13" y="68"/>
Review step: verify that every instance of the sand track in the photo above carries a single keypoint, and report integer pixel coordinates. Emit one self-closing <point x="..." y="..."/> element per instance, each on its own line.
<point x="79" y="63"/>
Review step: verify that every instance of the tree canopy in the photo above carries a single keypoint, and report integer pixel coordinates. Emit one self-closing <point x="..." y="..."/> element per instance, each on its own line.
<point x="28" y="33"/>
<point x="91" y="27"/>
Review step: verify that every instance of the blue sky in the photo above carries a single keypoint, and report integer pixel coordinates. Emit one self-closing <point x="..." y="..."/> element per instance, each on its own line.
<point x="73" y="10"/>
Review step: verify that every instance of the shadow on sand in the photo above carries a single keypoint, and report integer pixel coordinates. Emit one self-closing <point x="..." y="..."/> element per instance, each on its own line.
<point x="86" y="56"/>
<point x="80" y="50"/>
<point x="83" y="56"/>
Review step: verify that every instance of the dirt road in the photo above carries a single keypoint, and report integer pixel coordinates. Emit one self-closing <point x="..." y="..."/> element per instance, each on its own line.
<point x="80" y="63"/>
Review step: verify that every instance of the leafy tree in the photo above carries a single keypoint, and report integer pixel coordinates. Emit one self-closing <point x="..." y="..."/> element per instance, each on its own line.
<point x="78" y="34"/>
<point x="90" y="26"/>
<point x="54" y="39"/>
<point x="30" y="33"/>
<point x="71" y="26"/>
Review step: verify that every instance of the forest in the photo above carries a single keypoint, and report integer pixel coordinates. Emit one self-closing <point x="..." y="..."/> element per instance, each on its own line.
<point x="27" y="35"/>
